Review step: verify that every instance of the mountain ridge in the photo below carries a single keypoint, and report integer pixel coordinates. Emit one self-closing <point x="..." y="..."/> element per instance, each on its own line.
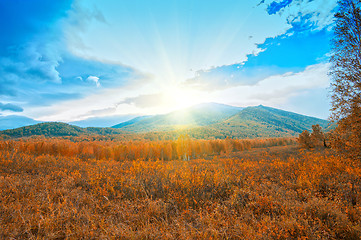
<point x="262" y="121"/>
<point x="203" y="122"/>
<point x="199" y="115"/>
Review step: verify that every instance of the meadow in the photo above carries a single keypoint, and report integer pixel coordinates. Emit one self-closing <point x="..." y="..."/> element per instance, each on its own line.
<point x="183" y="189"/>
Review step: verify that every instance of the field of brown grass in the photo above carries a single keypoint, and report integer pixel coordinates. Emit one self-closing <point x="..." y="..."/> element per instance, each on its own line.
<point x="57" y="189"/>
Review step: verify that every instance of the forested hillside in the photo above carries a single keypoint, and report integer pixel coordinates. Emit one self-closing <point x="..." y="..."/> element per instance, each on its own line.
<point x="57" y="129"/>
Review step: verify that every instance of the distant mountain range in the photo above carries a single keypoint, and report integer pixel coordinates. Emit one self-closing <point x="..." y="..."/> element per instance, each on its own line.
<point x="199" y="115"/>
<point x="209" y="120"/>
<point x="14" y="121"/>
<point x="106" y="121"/>
<point x="218" y="120"/>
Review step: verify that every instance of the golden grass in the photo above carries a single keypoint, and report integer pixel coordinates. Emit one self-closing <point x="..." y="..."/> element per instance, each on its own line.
<point x="270" y="193"/>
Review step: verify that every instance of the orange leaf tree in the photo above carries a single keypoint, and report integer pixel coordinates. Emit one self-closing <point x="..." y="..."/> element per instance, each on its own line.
<point x="346" y="78"/>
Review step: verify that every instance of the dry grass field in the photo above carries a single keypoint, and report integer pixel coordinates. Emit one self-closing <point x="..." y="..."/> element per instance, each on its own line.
<point x="51" y="189"/>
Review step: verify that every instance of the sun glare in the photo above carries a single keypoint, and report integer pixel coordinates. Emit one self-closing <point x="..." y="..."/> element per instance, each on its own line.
<point x="179" y="98"/>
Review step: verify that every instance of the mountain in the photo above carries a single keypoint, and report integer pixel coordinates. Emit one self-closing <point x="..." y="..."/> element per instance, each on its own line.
<point x="199" y="115"/>
<point x="261" y="121"/>
<point x="102" y="121"/>
<point x="130" y="122"/>
<point x="258" y="121"/>
<point x="202" y="121"/>
<point x="15" y="121"/>
<point x="57" y="129"/>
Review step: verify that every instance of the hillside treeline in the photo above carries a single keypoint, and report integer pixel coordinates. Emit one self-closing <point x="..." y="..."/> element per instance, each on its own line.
<point x="182" y="148"/>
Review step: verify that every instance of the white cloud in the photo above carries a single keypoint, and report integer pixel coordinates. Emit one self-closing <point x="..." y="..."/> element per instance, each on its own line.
<point x="99" y="113"/>
<point x="276" y="90"/>
<point x="146" y="100"/>
<point x="283" y="86"/>
<point x="94" y="79"/>
<point x="79" y="109"/>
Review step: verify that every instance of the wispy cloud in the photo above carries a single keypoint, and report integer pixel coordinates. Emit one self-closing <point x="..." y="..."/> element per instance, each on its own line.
<point x="10" y="107"/>
<point x="98" y="112"/>
<point x="230" y="76"/>
<point x="278" y="89"/>
<point x="146" y="100"/>
<point x="281" y="87"/>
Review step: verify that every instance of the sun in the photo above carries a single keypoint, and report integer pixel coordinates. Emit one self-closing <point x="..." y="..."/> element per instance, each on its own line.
<point x="177" y="97"/>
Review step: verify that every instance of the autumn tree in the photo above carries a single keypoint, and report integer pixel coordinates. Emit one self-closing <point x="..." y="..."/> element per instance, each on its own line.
<point x="346" y="78"/>
<point x="317" y="136"/>
<point x="304" y="139"/>
<point x="183" y="147"/>
<point x="314" y="139"/>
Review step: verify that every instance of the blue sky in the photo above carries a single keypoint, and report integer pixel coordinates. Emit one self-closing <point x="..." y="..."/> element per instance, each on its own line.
<point x="70" y="60"/>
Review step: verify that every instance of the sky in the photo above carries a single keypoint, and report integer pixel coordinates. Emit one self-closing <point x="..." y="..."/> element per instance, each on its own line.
<point x="70" y="60"/>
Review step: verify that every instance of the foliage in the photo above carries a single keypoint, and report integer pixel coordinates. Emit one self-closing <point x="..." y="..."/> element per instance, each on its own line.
<point x="274" y="193"/>
<point x="346" y="138"/>
<point x="314" y="139"/>
<point x="304" y="140"/>
<point x="346" y="78"/>
<point x="317" y="136"/>
<point x="182" y="148"/>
